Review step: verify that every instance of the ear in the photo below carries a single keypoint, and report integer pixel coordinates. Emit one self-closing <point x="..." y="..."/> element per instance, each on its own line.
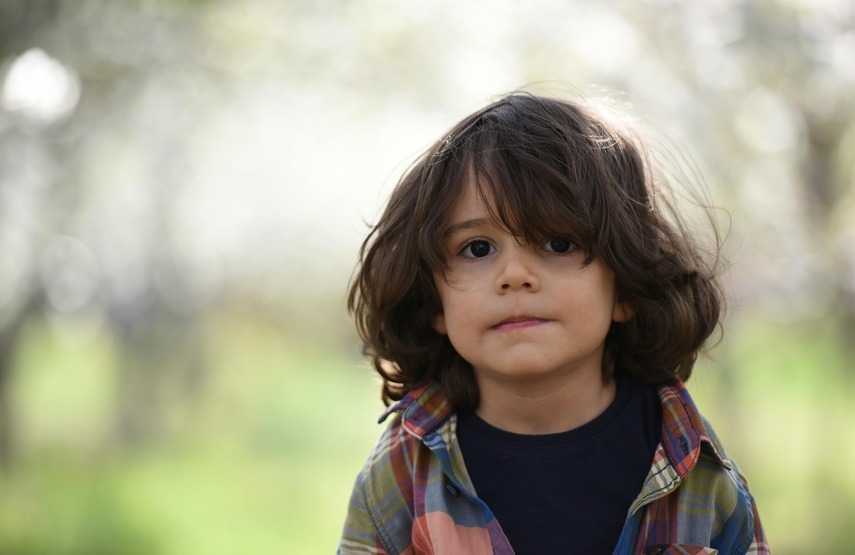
<point x="438" y="324"/>
<point x="622" y="312"/>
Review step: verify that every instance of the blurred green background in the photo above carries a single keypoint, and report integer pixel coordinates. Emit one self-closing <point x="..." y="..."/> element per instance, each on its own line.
<point x="184" y="185"/>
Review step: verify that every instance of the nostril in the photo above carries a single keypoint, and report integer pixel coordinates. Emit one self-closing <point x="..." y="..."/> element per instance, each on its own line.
<point x="523" y="285"/>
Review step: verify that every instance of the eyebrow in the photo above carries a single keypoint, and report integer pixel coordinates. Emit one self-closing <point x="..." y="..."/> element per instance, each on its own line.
<point x="466" y="225"/>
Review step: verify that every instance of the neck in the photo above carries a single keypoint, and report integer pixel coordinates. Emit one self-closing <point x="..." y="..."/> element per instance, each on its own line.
<point x="543" y="406"/>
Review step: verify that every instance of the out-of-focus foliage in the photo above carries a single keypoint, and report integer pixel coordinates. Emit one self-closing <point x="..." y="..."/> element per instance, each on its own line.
<point x="184" y="185"/>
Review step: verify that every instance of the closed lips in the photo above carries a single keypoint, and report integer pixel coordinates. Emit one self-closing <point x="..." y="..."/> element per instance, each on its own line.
<point x="518" y="322"/>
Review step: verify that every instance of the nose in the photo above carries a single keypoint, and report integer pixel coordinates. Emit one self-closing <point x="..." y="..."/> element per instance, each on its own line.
<point x="517" y="271"/>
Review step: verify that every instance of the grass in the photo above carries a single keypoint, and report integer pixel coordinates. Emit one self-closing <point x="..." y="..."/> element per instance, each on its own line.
<point x="261" y="461"/>
<point x="260" y="458"/>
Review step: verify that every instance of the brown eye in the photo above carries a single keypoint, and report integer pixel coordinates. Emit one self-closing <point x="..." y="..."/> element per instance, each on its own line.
<point x="560" y="246"/>
<point x="477" y="249"/>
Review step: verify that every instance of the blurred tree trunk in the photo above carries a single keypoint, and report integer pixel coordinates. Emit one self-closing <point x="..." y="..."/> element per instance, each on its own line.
<point x="823" y="195"/>
<point x="161" y="369"/>
<point x="9" y="341"/>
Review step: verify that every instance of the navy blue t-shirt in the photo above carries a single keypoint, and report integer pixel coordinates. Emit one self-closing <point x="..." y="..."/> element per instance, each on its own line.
<point x="567" y="492"/>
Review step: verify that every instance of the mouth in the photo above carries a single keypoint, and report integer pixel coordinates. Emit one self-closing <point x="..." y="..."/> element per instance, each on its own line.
<point x="518" y="322"/>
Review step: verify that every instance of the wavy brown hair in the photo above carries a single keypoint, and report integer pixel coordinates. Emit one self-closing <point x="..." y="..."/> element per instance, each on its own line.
<point x="549" y="165"/>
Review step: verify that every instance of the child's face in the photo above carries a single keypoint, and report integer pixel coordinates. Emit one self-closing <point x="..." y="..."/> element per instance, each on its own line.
<point x="522" y="311"/>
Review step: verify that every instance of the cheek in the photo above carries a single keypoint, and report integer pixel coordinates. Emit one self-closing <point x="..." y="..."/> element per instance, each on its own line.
<point x="465" y="275"/>
<point x="456" y="312"/>
<point x="439" y="321"/>
<point x="461" y="294"/>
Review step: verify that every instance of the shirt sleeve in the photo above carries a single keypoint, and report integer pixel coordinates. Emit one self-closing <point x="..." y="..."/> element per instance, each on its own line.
<point x="360" y="533"/>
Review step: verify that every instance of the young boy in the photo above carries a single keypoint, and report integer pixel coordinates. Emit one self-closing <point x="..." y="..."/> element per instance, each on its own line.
<point x="533" y="314"/>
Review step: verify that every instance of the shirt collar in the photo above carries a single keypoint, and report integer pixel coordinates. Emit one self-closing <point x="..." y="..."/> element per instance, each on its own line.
<point x="423" y="409"/>
<point x="684" y="431"/>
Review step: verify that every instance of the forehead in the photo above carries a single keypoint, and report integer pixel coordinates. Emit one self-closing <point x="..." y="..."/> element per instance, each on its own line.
<point x="475" y="206"/>
<point x="470" y="204"/>
<point x="526" y="206"/>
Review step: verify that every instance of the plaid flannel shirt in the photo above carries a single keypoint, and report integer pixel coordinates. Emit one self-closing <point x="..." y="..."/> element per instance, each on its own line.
<point x="414" y="494"/>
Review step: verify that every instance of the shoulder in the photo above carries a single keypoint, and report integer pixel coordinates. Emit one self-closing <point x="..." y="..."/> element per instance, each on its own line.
<point x="712" y="504"/>
<point x="380" y="512"/>
<point x="396" y="471"/>
<point x="389" y="468"/>
<point x="365" y="528"/>
<point x="714" y="499"/>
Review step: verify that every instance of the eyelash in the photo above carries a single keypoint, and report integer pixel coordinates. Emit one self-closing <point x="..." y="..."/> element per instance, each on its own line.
<point x="547" y="246"/>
